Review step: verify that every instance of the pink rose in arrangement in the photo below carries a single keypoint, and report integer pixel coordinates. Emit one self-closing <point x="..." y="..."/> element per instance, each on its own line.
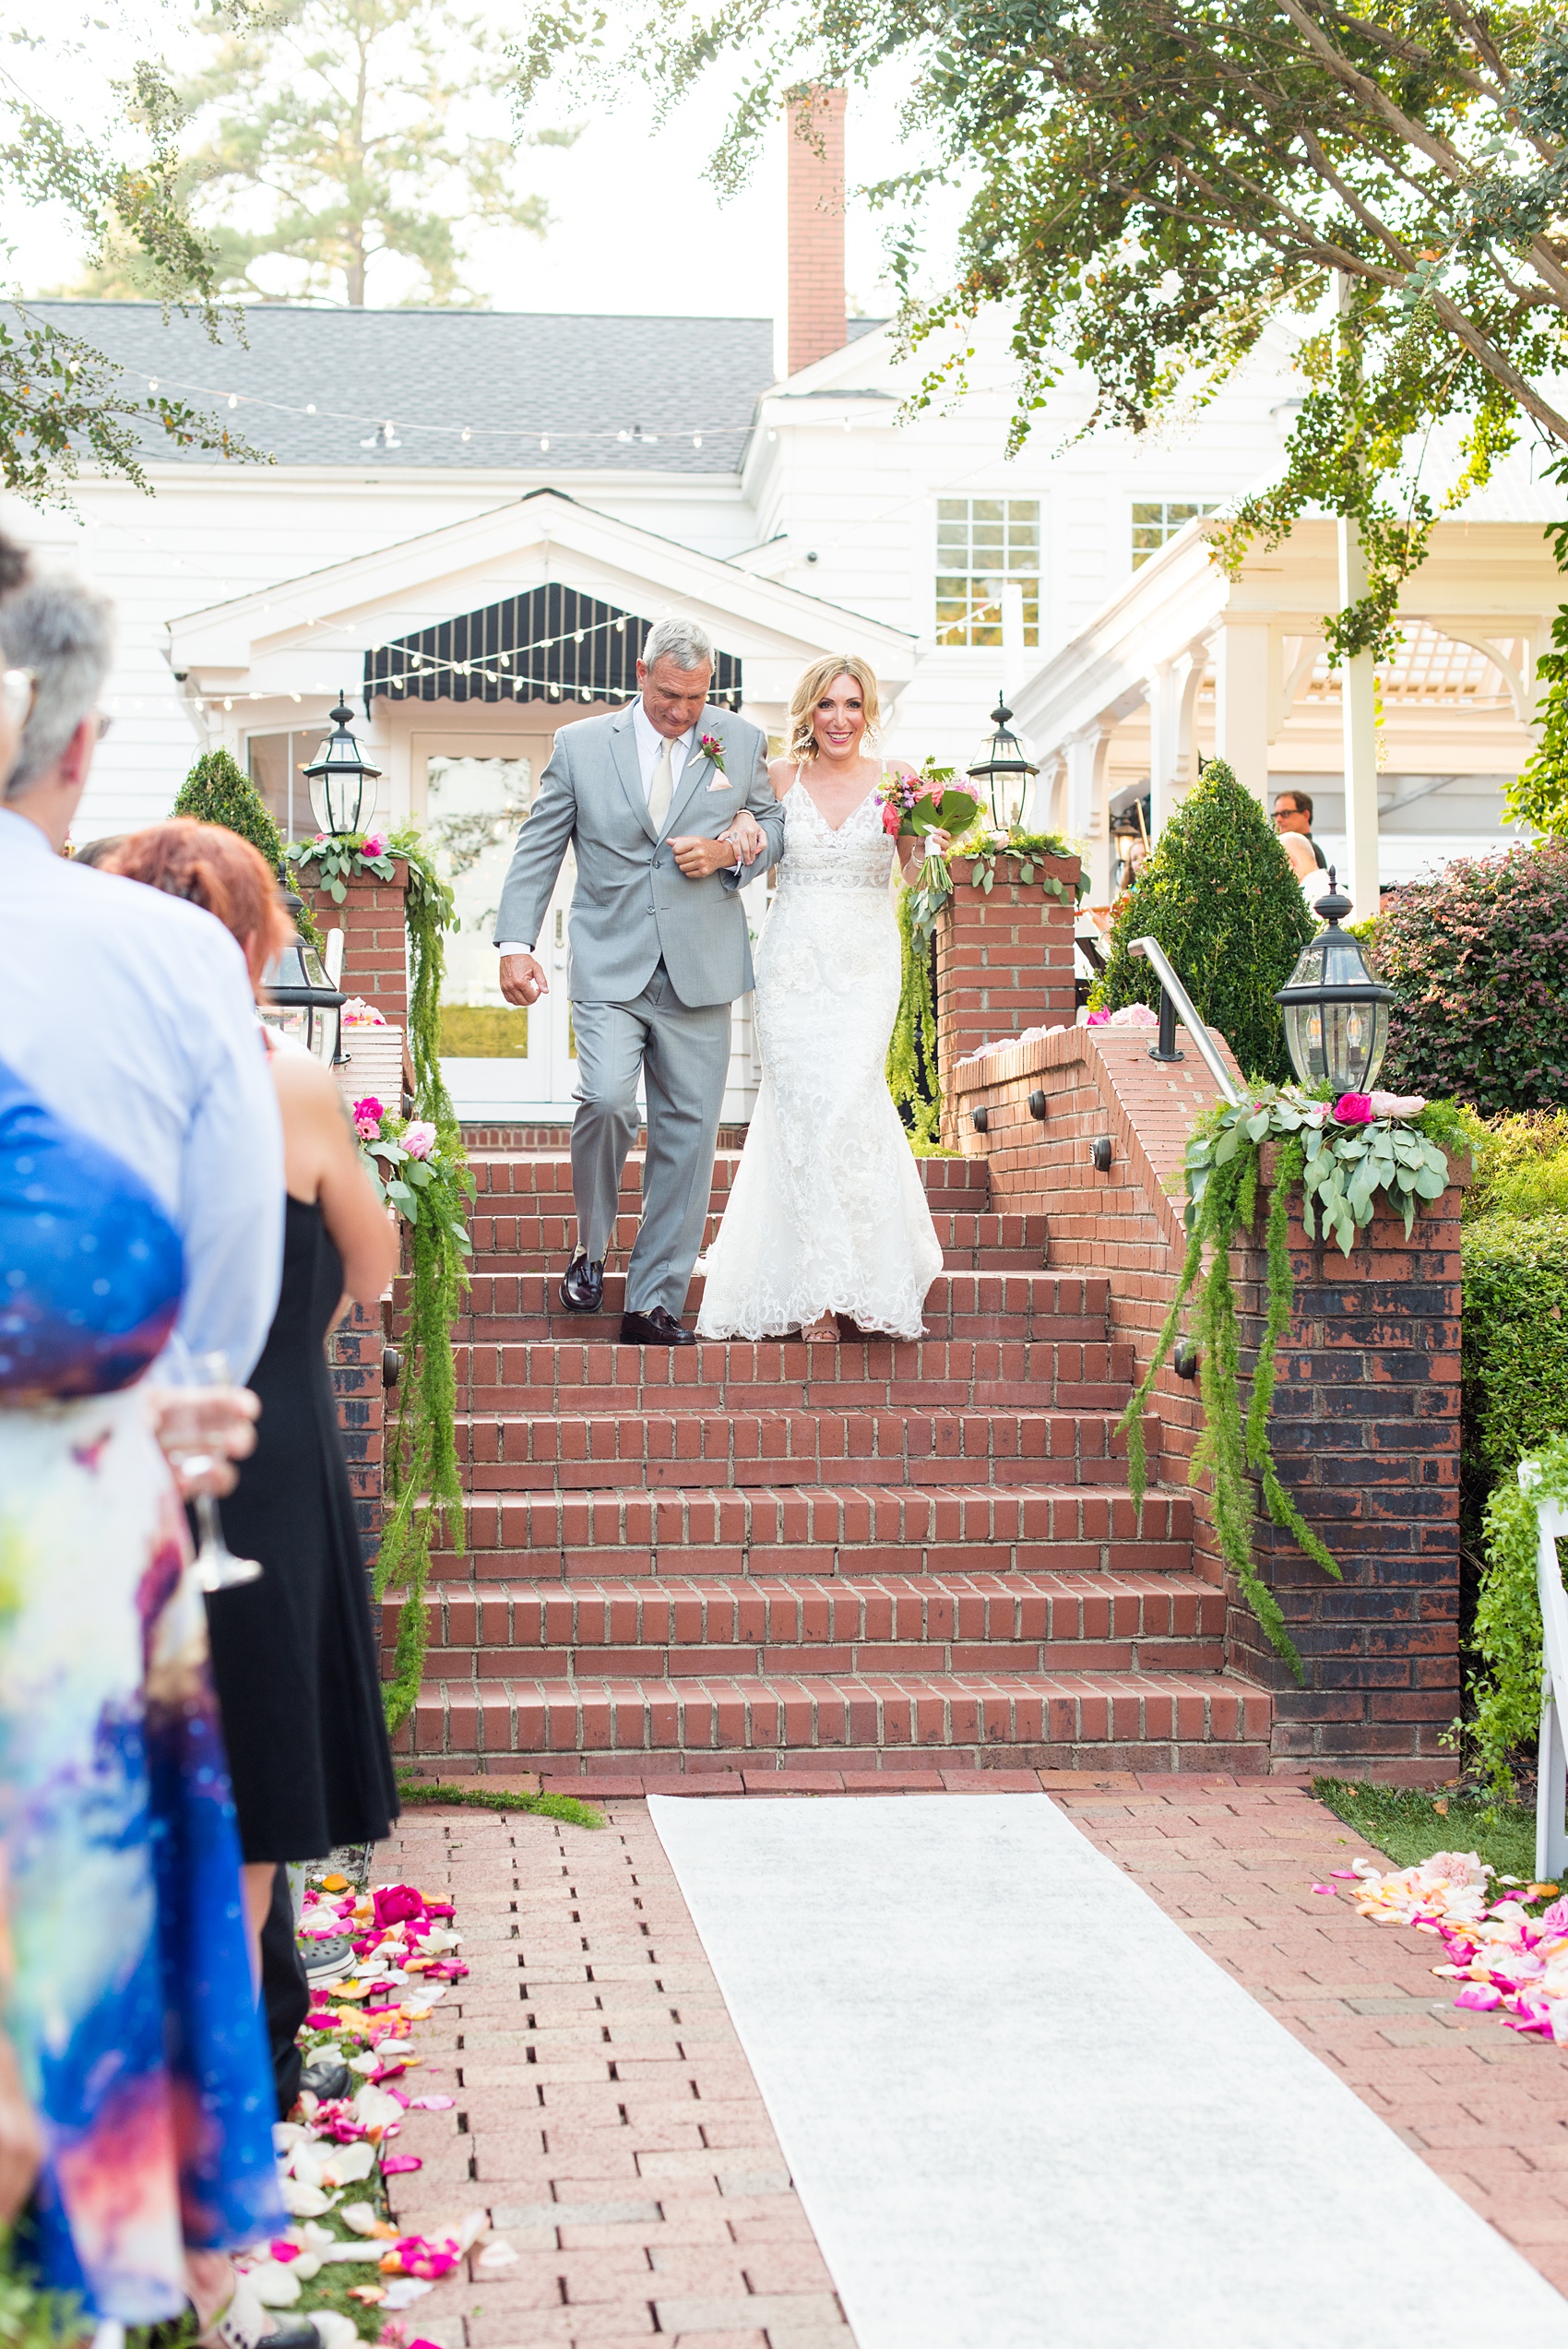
<point x="1098" y="1020"/>
<point x="891" y="817"/>
<point x="420" y="1138"/>
<point x="357" y="1013"/>
<point x="375" y="844"/>
<point x="1396" y="1105"/>
<point x="368" y="1114"/>
<point x="1354" y="1109"/>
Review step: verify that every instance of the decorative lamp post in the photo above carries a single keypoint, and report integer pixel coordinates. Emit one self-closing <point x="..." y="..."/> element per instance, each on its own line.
<point x="343" y="785"/>
<point x="302" y="1000"/>
<point x="1335" y="1012"/>
<point x="997" y="767"/>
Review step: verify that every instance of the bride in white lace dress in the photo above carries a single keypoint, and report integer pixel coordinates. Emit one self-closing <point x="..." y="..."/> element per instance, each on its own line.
<point x="827" y="1214"/>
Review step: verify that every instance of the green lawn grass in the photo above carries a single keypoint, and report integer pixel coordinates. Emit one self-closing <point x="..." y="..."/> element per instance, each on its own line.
<point x="495" y="1798"/>
<point x="1408" y="1825"/>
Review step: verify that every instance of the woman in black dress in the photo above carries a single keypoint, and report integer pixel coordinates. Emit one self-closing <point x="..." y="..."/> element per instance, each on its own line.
<point x="295" y="1654"/>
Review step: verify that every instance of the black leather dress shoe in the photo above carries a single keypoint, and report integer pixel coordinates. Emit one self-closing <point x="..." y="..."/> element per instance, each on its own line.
<point x="582" y="1285"/>
<point x="655" y="1328"/>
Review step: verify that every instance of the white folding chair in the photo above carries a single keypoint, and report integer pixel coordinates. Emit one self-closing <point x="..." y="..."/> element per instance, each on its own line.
<point x="1551" y="1763"/>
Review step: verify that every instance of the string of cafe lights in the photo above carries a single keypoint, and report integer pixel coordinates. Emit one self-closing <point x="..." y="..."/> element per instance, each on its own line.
<point x="491" y="668"/>
<point x="386" y="432"/>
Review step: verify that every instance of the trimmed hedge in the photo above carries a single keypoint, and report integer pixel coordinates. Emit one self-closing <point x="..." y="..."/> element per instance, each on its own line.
<point x="1477" y="959"/>
<point x="1221" y="897"/>
<point x="217" y="790"/>
<point x="1516" y="1340"/>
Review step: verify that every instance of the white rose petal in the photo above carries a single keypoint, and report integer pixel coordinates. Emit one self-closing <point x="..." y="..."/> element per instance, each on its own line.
<point x="348" y="2164"/>
<point x="275" y="2285"/>
<point x="360" y="2216"/>
<point x="303" y="2201"/>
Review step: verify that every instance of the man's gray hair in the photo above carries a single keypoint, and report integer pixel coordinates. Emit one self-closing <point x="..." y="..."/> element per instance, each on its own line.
<point x="64" y="631"/>
<point x="681" y="641"/>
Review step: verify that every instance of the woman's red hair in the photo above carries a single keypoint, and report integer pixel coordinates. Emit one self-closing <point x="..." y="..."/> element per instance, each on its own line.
<point x="214" y="868"/>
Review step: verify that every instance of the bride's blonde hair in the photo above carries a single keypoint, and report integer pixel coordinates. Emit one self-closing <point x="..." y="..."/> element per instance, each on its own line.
<point x="810" y="687"/>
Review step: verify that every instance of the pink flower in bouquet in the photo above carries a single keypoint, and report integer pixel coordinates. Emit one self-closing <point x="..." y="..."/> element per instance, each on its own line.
<point x="368" y="1114"/>
<point x="375" y="844"/>
<point x="420" y="1138"/>
<point x="1353" y="1109"/>
<point x="891" y="817"/>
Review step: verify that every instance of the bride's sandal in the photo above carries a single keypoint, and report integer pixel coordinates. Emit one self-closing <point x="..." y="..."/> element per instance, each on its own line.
<point x="822" y="1331"/>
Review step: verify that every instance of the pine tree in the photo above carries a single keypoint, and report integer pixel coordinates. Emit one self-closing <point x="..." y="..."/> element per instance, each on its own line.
<point x="1220" y="896"/>
<point x="218" y="791"/>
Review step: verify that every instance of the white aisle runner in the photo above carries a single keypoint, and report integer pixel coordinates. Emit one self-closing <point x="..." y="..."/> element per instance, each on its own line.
<point x="1024" y="2112"/>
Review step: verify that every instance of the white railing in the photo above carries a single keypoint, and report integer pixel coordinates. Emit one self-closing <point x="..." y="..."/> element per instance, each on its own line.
<point x="1551" y="1765"/>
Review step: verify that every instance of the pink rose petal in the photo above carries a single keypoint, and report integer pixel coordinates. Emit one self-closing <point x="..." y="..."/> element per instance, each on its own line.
<point x="395" y="2164"/>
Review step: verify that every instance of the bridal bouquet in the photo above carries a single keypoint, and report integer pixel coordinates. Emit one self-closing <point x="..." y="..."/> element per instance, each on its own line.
<point x="936" y="800"/>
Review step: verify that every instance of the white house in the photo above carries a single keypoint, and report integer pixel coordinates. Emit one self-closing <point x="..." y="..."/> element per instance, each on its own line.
<point x="469" y="516"/>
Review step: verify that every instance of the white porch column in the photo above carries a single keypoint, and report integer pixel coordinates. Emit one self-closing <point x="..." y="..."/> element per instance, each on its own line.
<point x="1086" y="805"/>
<point x="1358" y="682"/>
<point x="1172" y="690"/>
<point x="1240" y="701"/>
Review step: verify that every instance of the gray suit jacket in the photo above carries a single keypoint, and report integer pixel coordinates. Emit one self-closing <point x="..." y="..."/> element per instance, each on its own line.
<point x="633" y="905"/>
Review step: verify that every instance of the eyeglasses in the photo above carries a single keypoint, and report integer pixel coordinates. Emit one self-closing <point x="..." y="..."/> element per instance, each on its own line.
<point x="17" y="689"/>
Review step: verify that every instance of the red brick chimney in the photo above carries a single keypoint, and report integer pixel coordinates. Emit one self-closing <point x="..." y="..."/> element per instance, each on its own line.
<point x="815" y="312"/>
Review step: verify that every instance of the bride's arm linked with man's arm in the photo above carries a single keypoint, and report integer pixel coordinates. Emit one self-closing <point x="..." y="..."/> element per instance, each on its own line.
<point x="751" y="841"/>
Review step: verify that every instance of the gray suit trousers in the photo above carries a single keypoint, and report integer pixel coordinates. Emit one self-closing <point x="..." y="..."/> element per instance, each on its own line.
<point x="683" y="1053"/>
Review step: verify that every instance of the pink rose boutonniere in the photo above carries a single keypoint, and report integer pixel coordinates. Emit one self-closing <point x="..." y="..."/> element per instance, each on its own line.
<point x="711" y="748"/>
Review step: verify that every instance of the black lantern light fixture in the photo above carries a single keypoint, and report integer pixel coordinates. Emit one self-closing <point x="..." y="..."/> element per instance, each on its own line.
<point x="342" y="784"/>
<point x="302" y="1000"/>
<point x="1335" y="1012"/>
<point x="1002" y="767"/>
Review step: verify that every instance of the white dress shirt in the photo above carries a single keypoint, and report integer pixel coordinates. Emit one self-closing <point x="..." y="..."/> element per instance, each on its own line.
<point x="130" y="1015"/>
<point x="648" y="745"/>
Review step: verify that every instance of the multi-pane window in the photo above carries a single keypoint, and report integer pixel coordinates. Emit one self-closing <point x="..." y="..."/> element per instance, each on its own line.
<point x="1155" y="520"/>
<point x="275" y="762"/>
<point x="984" y="543"/>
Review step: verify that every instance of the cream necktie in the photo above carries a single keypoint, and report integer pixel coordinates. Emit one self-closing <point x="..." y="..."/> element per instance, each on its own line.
<point x="662" y="790"/>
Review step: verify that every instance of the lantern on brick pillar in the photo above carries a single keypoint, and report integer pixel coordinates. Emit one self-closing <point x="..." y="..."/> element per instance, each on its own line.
<point x="302" y="1001"/>
<point x="342" y="783"/>
<point x="1335" y="1012"/>
<point x="1004" y="770"/>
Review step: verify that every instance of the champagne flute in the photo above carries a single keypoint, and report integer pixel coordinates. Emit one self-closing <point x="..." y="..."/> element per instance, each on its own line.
<point x="218" y="1569"/>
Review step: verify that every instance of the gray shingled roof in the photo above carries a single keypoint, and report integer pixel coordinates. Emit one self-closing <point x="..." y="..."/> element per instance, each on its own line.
<point x="512" y="377"/>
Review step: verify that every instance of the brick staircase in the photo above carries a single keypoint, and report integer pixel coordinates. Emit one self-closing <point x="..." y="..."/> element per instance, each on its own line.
<point x="873" y="1557"/>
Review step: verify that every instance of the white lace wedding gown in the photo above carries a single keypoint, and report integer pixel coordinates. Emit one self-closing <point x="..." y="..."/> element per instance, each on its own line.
<point x="829" y="1211"/>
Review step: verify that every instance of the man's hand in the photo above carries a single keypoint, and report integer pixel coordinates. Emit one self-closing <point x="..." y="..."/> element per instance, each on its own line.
<point x="522" y="979"/>
<point x="747" y="834"/>
<point x="697" y="858"/>
<point x="200" y="1431"/>
<point x="21" y="2140"/>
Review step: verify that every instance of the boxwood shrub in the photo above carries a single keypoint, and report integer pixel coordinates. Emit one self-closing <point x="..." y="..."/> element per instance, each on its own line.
<point x="1221" y="897"/>
<point x="1478" y="958"/>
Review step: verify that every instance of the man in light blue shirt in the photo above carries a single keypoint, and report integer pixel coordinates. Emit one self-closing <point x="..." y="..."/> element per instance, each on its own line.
<point x="128" y="1012"/>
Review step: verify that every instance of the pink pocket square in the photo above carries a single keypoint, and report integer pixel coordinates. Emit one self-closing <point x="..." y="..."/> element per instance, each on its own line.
<point x="719" y="783"/>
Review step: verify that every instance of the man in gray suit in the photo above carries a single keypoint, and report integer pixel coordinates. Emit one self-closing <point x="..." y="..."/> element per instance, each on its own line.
<point x="669" y="808"/>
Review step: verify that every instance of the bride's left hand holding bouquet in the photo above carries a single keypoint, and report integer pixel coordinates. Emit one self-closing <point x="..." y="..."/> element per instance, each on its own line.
<point x="936" y="802"/>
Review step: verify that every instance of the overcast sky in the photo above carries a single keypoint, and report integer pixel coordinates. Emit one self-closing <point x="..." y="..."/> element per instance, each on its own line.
<point x="636" y="225"/>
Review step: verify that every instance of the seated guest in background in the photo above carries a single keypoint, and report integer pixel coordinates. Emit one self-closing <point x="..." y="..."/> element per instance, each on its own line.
<point x="1293" y="822"/>
<point x="99" y="852"/>
<point x="127" y="1994"/>
<point x="295" y="1654"/>
<point x="128" y="1014"/>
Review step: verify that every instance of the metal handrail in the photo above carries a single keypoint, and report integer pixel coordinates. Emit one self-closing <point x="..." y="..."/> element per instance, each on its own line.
<point x="1180" y="1003"/>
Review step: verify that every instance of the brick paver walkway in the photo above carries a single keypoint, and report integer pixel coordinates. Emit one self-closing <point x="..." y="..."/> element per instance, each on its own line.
<point x="607" y="2119"/>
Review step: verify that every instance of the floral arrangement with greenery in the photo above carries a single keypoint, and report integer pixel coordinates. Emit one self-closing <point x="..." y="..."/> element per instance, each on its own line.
<point x="912" y="1078"/>
<point x="1343" y="1155"/>
<point x="419" y="1167"/>
<point x="980" y="848"/>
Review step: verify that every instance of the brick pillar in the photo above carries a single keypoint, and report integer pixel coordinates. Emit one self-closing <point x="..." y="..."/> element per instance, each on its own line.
<point x="376" y="943"/>
<point x="1004" y="963"/>
<point x="1365" y="1429"/>
<point x="353" y="1354"/>
<point x="815" y="316"/>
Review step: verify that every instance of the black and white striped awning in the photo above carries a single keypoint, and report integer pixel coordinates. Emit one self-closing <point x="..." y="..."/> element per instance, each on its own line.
<point x="550" y="645"/>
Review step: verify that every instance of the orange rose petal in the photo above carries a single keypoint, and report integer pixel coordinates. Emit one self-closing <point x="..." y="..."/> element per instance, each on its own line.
<point x="334" y="1883"/>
